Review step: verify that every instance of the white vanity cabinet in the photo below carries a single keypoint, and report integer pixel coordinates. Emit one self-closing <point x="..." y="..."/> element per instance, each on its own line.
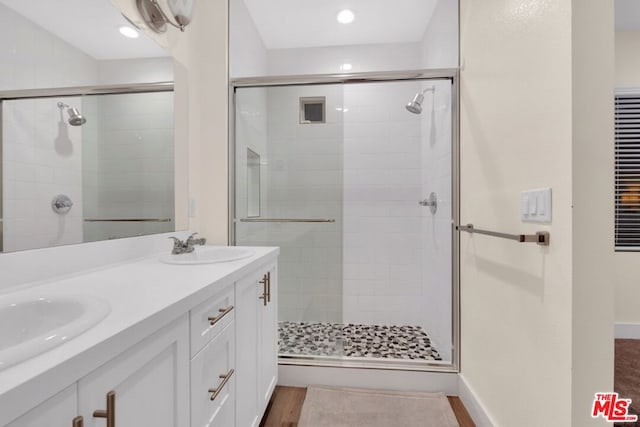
<point x="213" y="365"/>
<point x="148" y="384"/>
<point x="58" y="410"/>
<point x="256" y="342"/>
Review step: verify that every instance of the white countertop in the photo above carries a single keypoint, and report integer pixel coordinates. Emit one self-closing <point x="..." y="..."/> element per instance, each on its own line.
<point x="144" y="294"/>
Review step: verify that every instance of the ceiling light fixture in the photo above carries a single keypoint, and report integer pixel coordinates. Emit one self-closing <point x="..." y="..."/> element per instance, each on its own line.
<point x="155" y="18"/>
<point x="346" y="67"/>
<point x="128" y="32"/>
<point x="346" y="16"/>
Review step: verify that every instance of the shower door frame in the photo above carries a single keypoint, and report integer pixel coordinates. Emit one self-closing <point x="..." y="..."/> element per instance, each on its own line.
<point x="451" y="74"/>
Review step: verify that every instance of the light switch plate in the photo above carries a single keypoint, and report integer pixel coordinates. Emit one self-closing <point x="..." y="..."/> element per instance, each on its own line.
<point x="536" y="205"/>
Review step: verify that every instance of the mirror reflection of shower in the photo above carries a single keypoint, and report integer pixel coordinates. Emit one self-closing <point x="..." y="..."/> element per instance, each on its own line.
<point x="75" y="118"/>
<point x="415" y="106"/>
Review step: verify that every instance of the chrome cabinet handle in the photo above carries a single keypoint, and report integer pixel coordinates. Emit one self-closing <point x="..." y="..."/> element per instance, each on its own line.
<point x="265" y="295"/>
<point x="110" y="412"/>
<point x="78" y="422"/>
<point x="225" y="378"/>
<point x="216" y="319"/>
<point x="268" y="286"/>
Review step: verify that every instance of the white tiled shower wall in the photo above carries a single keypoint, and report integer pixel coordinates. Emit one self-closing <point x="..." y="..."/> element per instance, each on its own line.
<point x="131" y="173"/>
<point x="305" y="181"/>
<point x="382" y="238"/>
<point x="251" y="133"/>
<point x="42" y="157"/>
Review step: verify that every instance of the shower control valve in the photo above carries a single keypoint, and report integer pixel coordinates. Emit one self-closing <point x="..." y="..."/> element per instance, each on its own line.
<point x="431" y="202"/>
<point x="61" y="204"/>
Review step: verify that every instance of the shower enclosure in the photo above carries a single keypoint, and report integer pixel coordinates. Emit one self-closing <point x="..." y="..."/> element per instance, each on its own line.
<point x="354" y="179"/>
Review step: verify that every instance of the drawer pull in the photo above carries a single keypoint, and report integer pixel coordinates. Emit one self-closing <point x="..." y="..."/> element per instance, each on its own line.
<point x="78" y="422"/>
<point x="225" y="378"/>
<point x="110" y="413"/>
<point x="223" y="311"/>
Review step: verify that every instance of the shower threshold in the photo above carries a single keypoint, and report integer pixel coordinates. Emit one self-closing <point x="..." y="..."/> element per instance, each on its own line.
<point x="355" y="342"/>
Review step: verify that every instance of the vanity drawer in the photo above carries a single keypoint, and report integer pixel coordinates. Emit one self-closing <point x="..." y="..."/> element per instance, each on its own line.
<point x="210" y="318"/>
<point x="213" y="382"/>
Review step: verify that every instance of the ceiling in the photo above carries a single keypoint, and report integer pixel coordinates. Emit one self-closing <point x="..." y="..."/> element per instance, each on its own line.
<point x="310" y="23"/>
<point x="88" y="25"/>
<point x="627" y="15"/>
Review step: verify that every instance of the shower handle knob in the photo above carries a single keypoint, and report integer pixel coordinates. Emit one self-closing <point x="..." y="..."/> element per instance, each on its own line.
<point x="431" y="202"/>
<point x="61" y="204"/>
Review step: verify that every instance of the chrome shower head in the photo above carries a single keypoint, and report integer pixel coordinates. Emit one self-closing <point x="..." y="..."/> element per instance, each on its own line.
<point x="75" y="118"/>
<point x="415" y="106"/>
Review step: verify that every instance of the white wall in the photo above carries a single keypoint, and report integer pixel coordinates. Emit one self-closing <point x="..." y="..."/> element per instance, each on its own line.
<point x="439" y="47"/>
<point x="247" y="54"/>
<point x="31" y="57"/>
<point x="328" y="60"/>
<point x="136" y="70"/>
<point x="528" y="312"/>
<point x="627" y="265"/>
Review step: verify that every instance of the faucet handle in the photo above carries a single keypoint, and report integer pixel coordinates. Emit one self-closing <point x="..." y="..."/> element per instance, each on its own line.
<point x="176" y="242"/>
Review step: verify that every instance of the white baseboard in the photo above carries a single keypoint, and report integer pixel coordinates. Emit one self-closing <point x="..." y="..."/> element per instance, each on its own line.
<point x="303" y="376"/>
<point x="472" y="403"/>
<point x="627" y="330"/>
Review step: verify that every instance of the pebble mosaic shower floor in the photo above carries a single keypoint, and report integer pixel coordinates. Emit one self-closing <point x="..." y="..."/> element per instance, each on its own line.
<point x="332" y="339"/>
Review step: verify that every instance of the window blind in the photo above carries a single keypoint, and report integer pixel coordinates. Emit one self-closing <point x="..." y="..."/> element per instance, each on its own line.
<point x="627" y="172"/>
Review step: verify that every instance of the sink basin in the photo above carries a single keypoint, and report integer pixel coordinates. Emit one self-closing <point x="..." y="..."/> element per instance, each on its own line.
<point x="31" y="324"/>
<point x="209" y="255"/>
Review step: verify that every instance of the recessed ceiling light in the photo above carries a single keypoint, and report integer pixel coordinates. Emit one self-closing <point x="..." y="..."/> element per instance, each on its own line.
<point x="345" y="16"/>
<point x="346" y="67"/>
<point x="128" y="32"/>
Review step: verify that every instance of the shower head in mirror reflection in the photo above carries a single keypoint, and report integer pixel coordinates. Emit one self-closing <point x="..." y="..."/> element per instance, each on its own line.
<point x="75" y="118"/>
<point x="415" y="106"/>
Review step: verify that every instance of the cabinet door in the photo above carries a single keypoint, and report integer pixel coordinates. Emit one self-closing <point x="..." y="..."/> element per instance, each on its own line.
<point x="247" y="327"/>
<point x="268" y="343"/>
<point x="57" y="411"/>
<point x="213" y="382"/>
<point x="150" y="381"/>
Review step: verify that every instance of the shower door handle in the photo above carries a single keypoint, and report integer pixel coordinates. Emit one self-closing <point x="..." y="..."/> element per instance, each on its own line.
<point x="287" y="220"/>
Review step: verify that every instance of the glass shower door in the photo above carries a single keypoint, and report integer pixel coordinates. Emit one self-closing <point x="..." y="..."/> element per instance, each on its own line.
<point x="289" y="193"/>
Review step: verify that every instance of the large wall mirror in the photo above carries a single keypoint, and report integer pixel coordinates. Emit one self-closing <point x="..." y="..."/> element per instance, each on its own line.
<point x="87" y="127"/>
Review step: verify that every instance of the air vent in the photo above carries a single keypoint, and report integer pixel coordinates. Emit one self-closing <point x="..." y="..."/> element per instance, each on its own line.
<point x="312" y="110"/>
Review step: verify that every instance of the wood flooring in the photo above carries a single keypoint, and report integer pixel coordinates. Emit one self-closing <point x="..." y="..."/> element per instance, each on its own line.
<point x="627" y="374"/>
<point x="286" y="404"/>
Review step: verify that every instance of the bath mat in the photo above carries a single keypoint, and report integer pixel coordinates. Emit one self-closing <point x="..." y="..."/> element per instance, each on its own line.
<point x="352" y="407"/>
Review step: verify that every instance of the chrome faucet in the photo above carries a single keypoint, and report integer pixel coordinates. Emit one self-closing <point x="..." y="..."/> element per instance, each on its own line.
<point x="187" y="246"/>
